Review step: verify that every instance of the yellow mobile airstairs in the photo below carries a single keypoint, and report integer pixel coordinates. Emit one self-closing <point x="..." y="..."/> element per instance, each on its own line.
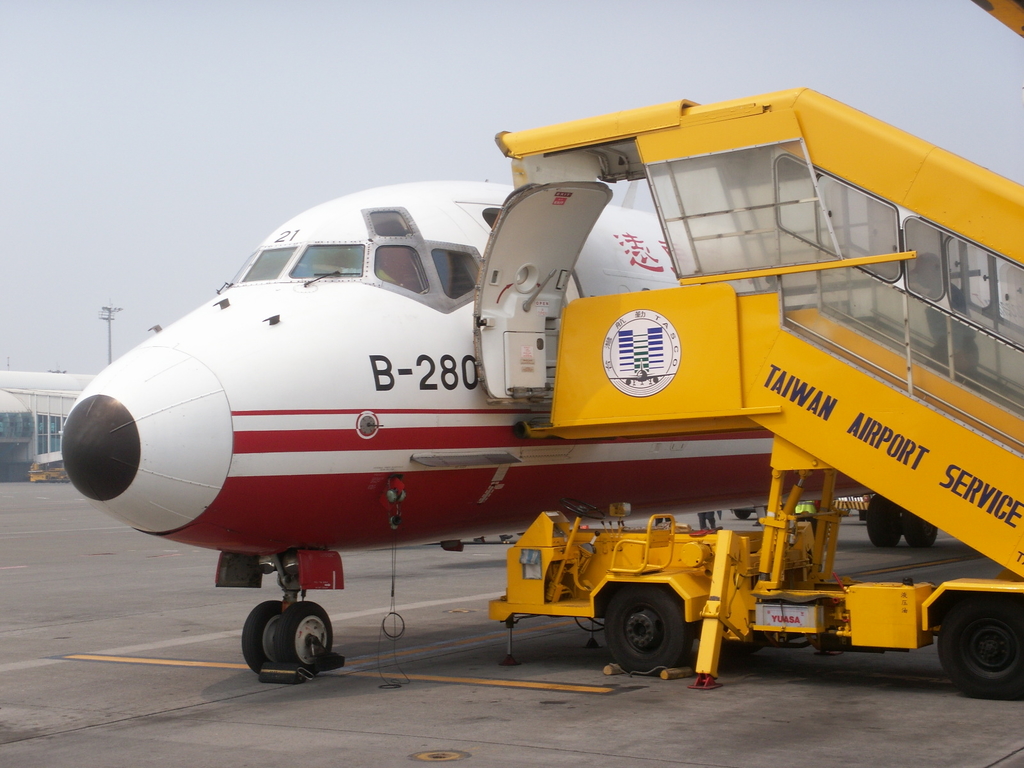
<point x="854" y="291"/>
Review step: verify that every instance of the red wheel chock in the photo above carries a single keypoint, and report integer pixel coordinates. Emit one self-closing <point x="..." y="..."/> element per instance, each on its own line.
<point x="705" y="682"/>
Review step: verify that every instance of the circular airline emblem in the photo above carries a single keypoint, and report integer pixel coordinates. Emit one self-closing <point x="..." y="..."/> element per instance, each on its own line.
<point x="641" y="353"/>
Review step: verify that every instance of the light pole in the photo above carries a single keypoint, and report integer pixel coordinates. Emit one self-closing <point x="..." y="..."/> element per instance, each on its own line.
<point x="107" y="313"/>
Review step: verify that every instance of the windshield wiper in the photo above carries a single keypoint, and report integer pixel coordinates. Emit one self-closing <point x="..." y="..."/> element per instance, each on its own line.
<point x="308" y="283"/>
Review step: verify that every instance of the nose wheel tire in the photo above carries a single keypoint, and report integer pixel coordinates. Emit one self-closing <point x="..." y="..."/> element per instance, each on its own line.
<point x="646" y="630"/>
<point x="294" y="638"/>
<point x="258" y="634"/>
<point x="981" y="647"/>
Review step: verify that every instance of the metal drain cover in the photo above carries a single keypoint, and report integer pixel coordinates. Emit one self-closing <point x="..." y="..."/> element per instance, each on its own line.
<point x="439" y="756"/>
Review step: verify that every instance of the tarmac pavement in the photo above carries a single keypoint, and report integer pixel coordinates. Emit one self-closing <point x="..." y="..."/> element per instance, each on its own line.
<point x="117" y="650"/>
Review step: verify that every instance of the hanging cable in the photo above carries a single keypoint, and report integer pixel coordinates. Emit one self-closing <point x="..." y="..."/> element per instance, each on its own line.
<point x="392" y="626"/>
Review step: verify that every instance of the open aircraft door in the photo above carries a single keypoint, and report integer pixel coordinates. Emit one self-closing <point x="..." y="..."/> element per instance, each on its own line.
<point x="527" y="268"/>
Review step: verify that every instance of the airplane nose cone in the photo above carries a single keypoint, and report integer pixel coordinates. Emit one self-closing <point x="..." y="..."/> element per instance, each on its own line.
<point x="150" y="440"/>
<point x="101" y="448"/>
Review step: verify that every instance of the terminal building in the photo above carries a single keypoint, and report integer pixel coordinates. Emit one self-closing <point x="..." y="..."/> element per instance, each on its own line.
<point x="33" y="409"/>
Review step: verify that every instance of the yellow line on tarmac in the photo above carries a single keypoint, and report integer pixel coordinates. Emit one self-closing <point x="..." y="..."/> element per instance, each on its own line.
<point x="226" y="665"/>
<point x="428" y="678"/>
<point x="157" y="662"/>
<point x="911" y="566"/>
<point x="490" y="681"/>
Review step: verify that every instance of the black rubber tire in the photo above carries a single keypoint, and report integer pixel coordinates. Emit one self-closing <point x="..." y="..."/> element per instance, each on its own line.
<point x="981" y="646"/>
<point x="297" y="623"/>
<point x="883" y="519"/>
<point x="918" y="533"/>
<point x="743" y="513"/>
<point x="645" y="629"/>
<point x="257" y="643"/>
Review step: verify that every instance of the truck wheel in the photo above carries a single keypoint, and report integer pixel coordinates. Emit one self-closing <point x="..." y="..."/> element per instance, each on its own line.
<point x="918" y="533"/>
<point x="981" y="647"/>
<point x="883" y="519"/>
<point x="646" y="630"/>
<point x="743" y="513"/>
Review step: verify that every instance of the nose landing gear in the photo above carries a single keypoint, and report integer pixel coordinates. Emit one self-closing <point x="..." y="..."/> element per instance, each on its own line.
<point x="289" y="631"/>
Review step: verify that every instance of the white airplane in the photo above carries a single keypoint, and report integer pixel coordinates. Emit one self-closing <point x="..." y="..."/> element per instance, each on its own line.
<point x="330" y="398"/>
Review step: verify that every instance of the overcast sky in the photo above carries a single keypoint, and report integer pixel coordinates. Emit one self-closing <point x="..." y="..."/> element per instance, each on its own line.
<point x="147" y="147"/>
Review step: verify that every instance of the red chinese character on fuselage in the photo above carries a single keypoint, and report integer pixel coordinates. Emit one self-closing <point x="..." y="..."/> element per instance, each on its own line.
<point x="639" y="254"/>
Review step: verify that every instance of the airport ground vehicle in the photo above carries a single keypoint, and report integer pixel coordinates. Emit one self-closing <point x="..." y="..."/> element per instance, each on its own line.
<point x="39" y="473"/>
<point x="854" y="291"/>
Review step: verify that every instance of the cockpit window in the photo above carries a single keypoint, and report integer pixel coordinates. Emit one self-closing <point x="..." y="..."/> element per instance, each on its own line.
<point x="457" y="270"/>
<point x="268" y="264"/>
<point x="390" y="224"/>
<point x="337" y="260"/>
<point x="400" y="265"/>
